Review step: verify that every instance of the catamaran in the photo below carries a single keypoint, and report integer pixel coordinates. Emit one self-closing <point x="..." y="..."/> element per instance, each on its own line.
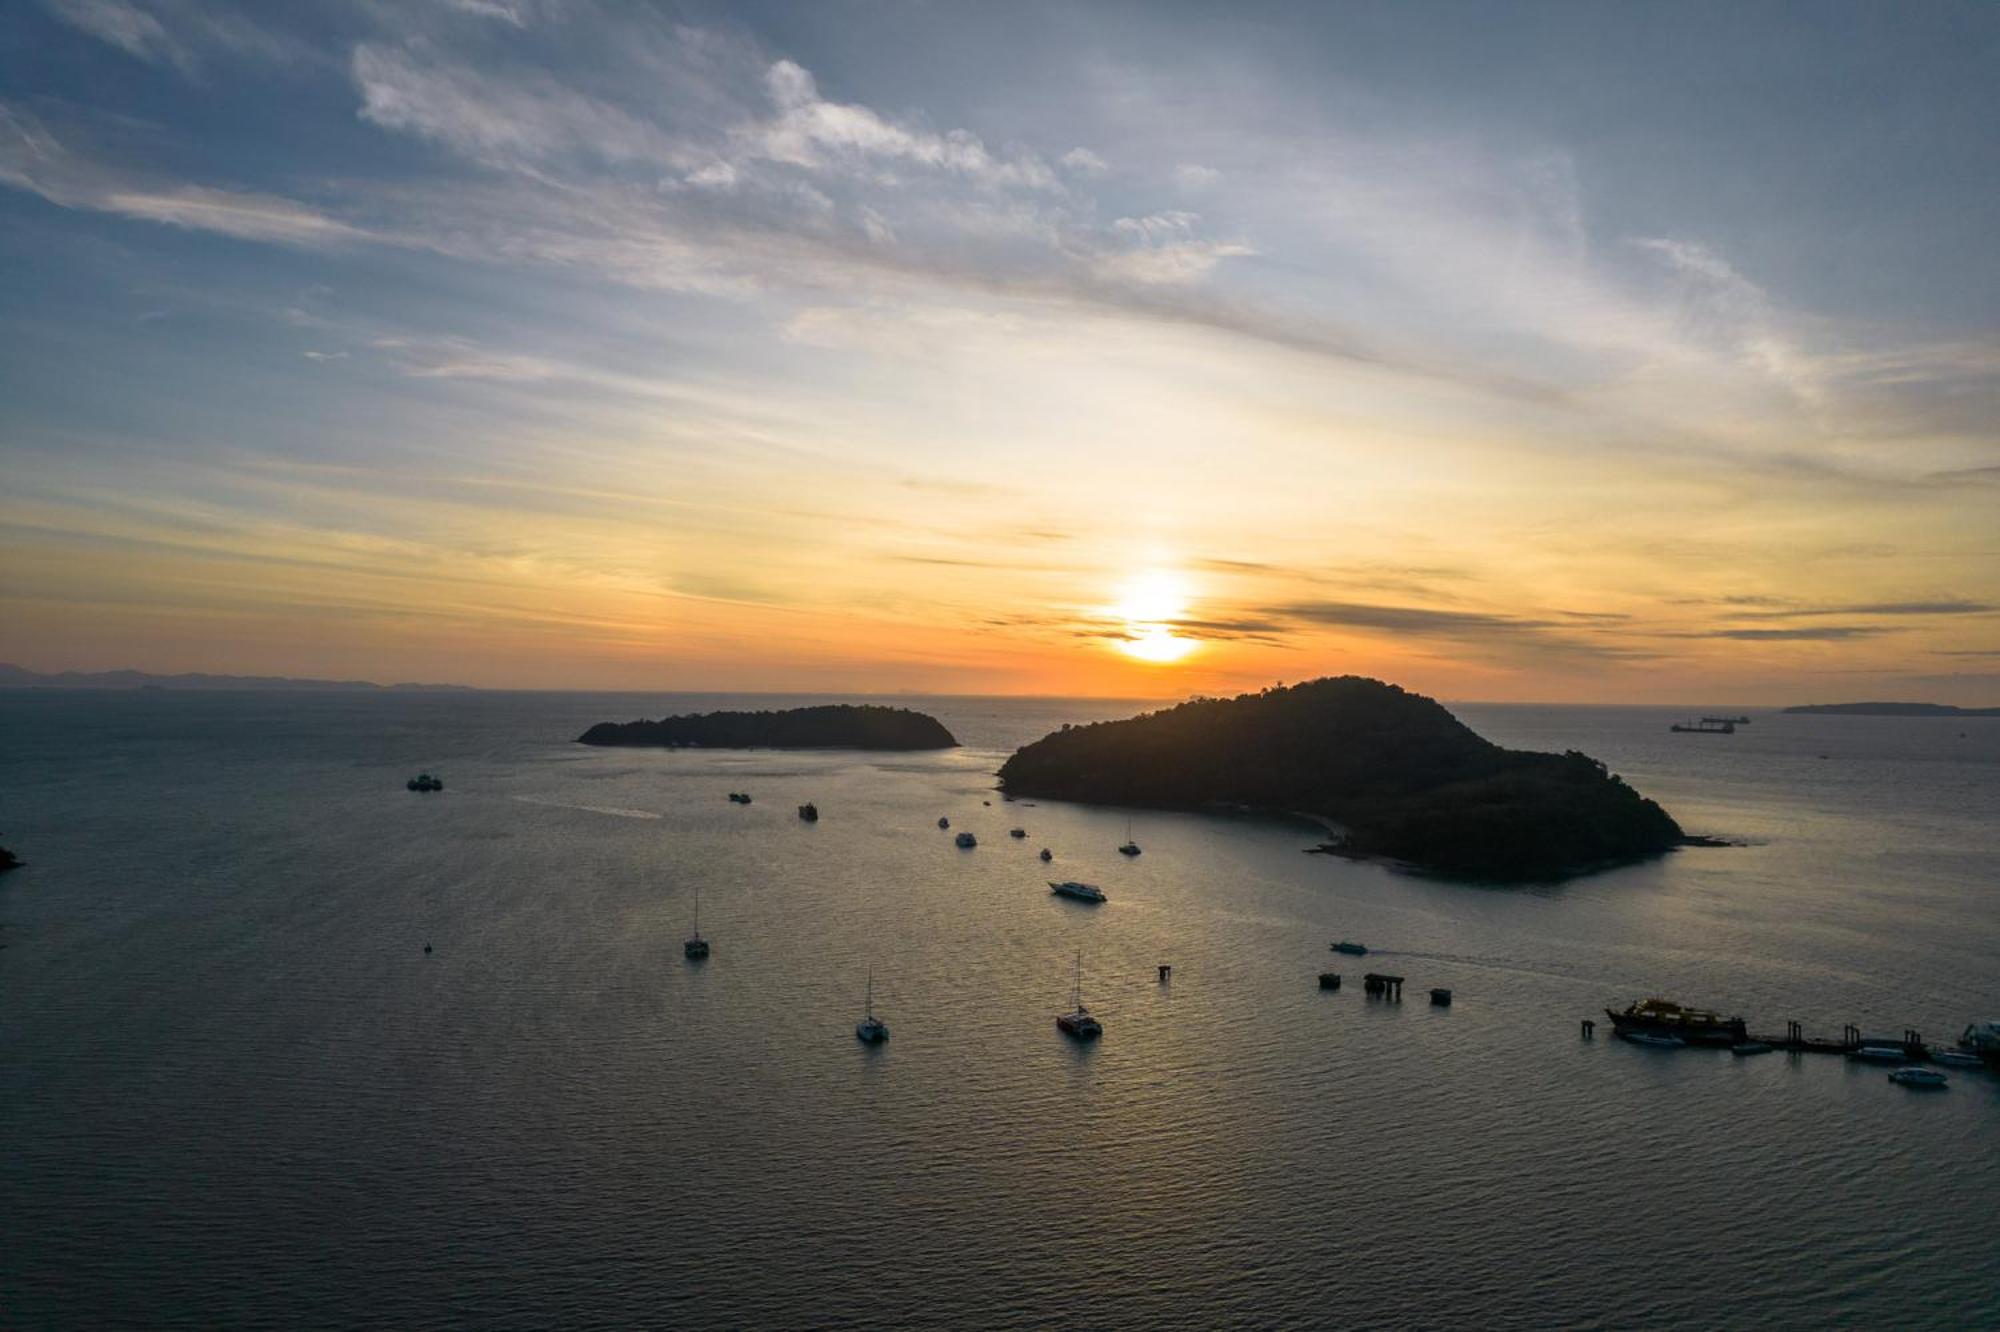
<point x="1078" y="1022"/>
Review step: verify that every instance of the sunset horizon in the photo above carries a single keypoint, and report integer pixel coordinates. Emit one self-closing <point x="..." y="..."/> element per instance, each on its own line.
<point x="555" y="346"/>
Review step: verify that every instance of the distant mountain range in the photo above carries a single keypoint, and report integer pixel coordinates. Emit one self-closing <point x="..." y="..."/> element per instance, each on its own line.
<point x="1895" y="710"/>
<point x="16" y="677"/>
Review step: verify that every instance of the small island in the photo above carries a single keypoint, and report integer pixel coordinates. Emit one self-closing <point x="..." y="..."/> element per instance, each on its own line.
<point x="1892" y="710"/>
<point x="834" y="726"/>
<point x="1405" y="780"/>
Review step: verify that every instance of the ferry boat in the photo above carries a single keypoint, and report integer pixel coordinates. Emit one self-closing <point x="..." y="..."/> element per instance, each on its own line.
<point x="1706" y="726"/>
<point x="966" y="840"/>
<point x="1078" y="1022"/>
<point x="871" y="1030"/>
<point x="1663" y="1017"/>
<point x="1923" y="1078"/>
<point x="1081" y="892"/>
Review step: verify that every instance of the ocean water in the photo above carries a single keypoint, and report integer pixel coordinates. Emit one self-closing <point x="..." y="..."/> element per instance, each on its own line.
<point x="234" y="1091"/>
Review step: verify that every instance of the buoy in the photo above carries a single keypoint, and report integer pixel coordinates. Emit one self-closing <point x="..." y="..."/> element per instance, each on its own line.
<point x="427" y="945"/>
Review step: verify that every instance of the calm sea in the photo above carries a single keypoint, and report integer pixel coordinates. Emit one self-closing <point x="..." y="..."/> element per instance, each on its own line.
<point x="234" y="1091"/>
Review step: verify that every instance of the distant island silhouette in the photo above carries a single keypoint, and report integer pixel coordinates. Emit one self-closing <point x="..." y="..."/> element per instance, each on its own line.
<point x="16" y="677"/>
<point x="1404" y="779"/>
<point x="833" y="726"/>
<point x="1893" y="710"/>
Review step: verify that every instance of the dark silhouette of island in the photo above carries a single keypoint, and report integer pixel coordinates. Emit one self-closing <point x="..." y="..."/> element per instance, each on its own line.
<point x="833" y="726"/>
<point x="16" y="677"/>
<point x="1404" y="779"/>
<point x="1893" y="710"/>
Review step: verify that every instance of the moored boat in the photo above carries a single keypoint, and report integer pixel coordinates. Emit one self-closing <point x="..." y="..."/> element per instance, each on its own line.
<point x="1958" y="1059"/>
<point x="809" y="812"/>
<point x="1750" y="1048"/>
<point x="1657" y="1039"/>
<point x="871" y="1030"/>
<point x="1078" y="1022"/>
<point x="1878" y="1053"/>
<point x="1664" y="1017"/>
<point x="1047" y="855"/>
<point x="967" y="840"/>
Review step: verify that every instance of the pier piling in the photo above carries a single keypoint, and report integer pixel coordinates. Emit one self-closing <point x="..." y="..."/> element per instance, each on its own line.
<point x="1589" y="1029"/>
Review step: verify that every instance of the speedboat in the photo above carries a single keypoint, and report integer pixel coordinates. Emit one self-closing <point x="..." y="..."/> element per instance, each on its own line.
<point x="966" y="839"/>
<point x="1913" y="1076"/>
<point x="1655" y="1039"/>
<point x="1750" y="1048"/>
<point x="871" y="1030"/>
<point x="1350" y="948"/>
<point x="1081" y="892"/>
<point x="1078" y="1022"/>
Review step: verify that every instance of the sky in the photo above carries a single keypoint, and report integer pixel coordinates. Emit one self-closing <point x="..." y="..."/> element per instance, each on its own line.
<point x="1570" y="352"/>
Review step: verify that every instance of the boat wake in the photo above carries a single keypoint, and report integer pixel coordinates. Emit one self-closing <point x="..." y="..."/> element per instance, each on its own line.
<point x="612" y="810"/>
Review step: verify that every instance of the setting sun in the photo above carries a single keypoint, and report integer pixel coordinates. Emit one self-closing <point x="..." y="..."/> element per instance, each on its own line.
<point x="1151" y="605"/>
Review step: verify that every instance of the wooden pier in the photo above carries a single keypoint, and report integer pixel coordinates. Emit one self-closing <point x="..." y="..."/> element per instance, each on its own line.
<point x="1911" y="1042"/>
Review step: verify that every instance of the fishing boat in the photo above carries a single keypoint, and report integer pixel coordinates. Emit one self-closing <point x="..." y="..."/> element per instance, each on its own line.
<point x="696" y="947"/>
<point x="1080" y="892"/>
<point x="1350" y="948"/>
<point x="966" y="840"/>
<point x="1921" y="1078"/>
<point x="1078" y="1022"/>
<point x="871" y="1030"/>
<point x="423" y="781"/>
<point x="1664" y="1017"/>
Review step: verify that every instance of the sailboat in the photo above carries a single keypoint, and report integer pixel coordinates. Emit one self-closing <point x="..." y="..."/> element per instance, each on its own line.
<point x="696" y="947"/>
<point x="1078" y="1022"/>
<point x="871" y="1029"/>
<point x="1131" y="848"/>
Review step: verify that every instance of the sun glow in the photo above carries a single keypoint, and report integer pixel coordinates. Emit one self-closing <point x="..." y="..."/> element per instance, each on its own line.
<point x="1151" y="605"/>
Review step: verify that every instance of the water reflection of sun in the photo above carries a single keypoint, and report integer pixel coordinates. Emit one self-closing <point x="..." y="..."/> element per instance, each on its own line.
<point x="1151" y="605"/>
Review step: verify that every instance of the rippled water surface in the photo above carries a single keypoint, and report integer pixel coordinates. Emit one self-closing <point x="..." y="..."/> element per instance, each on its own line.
<point x="235" y="1091"/>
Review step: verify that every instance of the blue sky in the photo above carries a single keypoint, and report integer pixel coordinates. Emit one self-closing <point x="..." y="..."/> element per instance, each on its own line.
<point x="1525" y="351"/>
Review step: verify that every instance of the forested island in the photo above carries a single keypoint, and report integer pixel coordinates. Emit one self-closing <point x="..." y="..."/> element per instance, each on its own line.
<point x="834" y="726"/>
<point x="1405" y="779"/>
<point x="1893" y="710"/>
